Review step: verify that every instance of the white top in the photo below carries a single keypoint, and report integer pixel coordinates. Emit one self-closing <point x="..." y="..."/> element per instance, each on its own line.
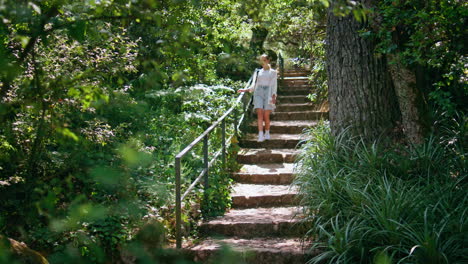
<point x="266" y="78"/>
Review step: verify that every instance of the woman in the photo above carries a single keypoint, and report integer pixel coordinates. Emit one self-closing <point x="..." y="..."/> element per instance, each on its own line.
<point x="264" y="88"/>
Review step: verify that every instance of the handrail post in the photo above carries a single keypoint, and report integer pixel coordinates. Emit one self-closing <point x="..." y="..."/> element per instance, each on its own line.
<point x="205" y="173"/>
<point x="206" y="162"/>
<point x="281" y="64"/>
<point x="236" y="133"/>
<point x="178" y="204"/>
<point x="223" y="135"/>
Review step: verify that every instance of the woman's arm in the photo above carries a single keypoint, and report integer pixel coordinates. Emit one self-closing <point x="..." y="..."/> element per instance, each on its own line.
<point x="244" y="90"/>
<point x="252" y="86"/>
<point x="274" y="86"/>
<point x="274" y="83"/>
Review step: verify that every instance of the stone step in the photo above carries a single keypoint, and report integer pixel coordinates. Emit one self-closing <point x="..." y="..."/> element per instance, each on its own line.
<point x="295" y="81"/>
<point x="295" y="87"/>
<point x="296" y="69"/>
<point x="299" y="91"/>
<point x="288" y="107"/>
<point x="296" y="78"/>
<point x="296" y="73"/>
<point x="257" y="222"/>
<point x="256" y="251"/>
<point x="299" y="115"/>
<point x="262" y="155"/>
<point x="262" y="195"/>
<point x="276" y="141"/>
<point x="300" y="82"/>
<point x="274" y="173"/>
<point x="284" y="126"/>
<point x="297" y="99"/>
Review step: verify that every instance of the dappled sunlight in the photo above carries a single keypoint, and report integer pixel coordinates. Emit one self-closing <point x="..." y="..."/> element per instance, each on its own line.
<point x="364" y="159"/>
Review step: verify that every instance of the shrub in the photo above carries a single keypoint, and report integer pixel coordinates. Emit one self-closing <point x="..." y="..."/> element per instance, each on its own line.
<point x="372" y="203"/>
<point x="95" y="192"/>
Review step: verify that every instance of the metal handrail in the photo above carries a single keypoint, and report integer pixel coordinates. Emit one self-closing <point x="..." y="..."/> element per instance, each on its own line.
<point x="207" y="164"/>
<point x="281" y="64"/>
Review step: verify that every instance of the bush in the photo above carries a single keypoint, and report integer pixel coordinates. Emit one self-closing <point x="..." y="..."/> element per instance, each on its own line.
<point x="114" y="170"/>
<point x="236" y="66"/>
<point x="371" y="203"/>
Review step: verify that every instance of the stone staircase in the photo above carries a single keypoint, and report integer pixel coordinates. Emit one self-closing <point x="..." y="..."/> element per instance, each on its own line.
<point x="265" y="222"/>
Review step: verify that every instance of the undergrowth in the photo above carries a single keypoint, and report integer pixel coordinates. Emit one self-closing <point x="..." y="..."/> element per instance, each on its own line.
<point x="372" y="203"/>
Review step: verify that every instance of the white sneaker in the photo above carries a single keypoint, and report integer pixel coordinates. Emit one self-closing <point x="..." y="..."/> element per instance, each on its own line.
<point x="261" y="138"/>
<point x="267" y="135"/>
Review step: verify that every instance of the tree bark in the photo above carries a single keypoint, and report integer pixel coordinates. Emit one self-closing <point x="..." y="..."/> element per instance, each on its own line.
<point x="259" y="35"/>
<point x="361" y="94"/>
<point x="408" y="95"/>
<point x="19" y="251"/>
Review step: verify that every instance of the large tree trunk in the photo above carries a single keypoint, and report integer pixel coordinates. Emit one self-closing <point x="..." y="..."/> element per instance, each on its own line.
<point x="361" y="94"/>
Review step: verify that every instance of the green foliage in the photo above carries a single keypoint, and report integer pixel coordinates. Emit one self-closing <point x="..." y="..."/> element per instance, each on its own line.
<point x="217" y="197"/>
<point x="318" y="76"/>
<point x="373" y="203"/>
<point x="96" y="98"/>
<point x="431" y="36"/>
<point x="231" y="64"/>
<point x="297" y="28"/>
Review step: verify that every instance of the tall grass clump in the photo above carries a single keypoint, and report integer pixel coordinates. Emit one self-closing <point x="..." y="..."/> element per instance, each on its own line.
<point x="381" y="203"/>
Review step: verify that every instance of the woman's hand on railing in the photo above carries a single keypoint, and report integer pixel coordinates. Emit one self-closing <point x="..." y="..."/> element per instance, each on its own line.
<point x="242" y="90"/>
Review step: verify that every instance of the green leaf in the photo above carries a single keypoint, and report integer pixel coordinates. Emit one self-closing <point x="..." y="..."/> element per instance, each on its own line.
<point x="382" y="258"/>
<point x="78" y="30"/>
<point x="326" y="3"/>
<point x="24" y="40"/>
<point x="35" y="7"/>
<point x="67" y="133"/>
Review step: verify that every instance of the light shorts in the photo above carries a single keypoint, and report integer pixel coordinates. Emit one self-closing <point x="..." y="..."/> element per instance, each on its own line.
<point x="261" y="98"/>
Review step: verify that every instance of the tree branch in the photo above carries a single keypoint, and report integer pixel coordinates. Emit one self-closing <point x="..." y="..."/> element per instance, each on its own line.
<point x="53" y="11"/>
<point x="111" y="18"/>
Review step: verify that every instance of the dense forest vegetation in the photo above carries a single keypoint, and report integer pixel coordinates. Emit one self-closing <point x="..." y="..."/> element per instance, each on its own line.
<point x="96" y="98"/>
<point x="385" y="180"/>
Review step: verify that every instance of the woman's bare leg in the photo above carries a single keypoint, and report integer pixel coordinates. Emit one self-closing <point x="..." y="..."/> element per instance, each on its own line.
<point x="266" y="117"/>
<point x="260" y="114"/>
